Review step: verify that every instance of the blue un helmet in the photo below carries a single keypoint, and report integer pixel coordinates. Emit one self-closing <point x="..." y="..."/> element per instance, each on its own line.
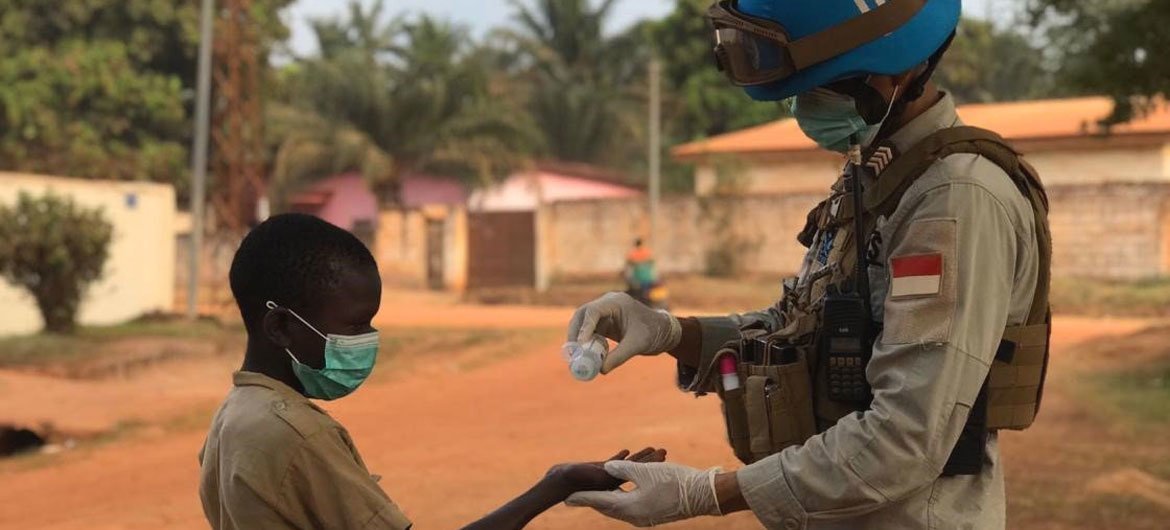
<point x="776" y="49"/>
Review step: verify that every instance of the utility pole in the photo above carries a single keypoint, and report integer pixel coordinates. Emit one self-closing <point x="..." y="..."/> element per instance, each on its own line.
<point x="655" y="153"/>
<point x="199" y="156"/>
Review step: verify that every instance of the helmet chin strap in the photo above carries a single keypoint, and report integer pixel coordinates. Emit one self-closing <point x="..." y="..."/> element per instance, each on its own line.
<point x="914" y="90"/>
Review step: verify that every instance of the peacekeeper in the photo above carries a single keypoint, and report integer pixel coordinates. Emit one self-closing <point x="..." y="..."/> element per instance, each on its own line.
<point x="871" y="393"/>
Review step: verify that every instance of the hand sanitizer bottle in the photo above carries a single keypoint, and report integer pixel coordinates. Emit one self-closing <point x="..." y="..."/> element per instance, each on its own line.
<point x="585" y="359"/>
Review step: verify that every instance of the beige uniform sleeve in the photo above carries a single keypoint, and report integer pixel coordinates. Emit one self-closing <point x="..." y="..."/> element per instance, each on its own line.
<point x="926" y="371"/>
<point x="327" y="486"/>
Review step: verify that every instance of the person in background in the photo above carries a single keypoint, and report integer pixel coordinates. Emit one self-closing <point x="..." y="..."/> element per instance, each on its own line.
<point x="640" y="272"/>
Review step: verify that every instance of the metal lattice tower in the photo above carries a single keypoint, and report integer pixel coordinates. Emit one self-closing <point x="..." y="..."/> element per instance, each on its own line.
<point x="237" y="132"/>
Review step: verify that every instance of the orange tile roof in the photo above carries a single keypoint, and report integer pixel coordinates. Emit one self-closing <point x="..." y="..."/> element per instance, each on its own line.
<point x="1023" y="120"/>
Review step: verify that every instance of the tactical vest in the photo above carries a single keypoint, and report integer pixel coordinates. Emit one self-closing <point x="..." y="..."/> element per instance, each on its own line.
<point x="784" y="397"/>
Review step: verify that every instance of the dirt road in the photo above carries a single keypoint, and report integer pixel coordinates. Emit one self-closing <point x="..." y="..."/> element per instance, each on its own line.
<point x="450" y="444"/>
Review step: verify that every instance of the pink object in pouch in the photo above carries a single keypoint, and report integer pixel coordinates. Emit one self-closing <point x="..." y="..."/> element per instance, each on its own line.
<point x="727" y="369"/>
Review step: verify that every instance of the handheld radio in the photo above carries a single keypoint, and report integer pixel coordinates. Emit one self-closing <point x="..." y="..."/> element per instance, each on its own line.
<point x="846" y="339"/>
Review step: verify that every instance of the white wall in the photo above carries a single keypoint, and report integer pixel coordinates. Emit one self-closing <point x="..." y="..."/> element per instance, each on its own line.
<point x="1099" y="166"/>
<point x="808" y="173"/>
<point x="140" y="272"/>
<point x="802" y="175"/>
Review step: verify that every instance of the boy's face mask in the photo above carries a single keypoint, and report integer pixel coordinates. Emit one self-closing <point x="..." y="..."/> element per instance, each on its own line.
<point x="349" y="359"/>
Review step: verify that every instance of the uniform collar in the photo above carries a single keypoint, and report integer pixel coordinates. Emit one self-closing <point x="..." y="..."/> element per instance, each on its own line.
<point x="941" y="115"/>
<point x="245" y="378"/>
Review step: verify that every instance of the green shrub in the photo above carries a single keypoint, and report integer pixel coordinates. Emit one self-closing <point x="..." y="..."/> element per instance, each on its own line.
<point x="54" y="249"/>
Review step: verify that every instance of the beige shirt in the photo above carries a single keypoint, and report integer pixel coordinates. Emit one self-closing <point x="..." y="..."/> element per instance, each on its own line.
<point x="275" y="460"/>
<point x="881" y="468"/>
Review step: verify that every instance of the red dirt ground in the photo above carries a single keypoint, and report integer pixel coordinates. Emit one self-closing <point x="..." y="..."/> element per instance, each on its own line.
<point x="451" y="445"/>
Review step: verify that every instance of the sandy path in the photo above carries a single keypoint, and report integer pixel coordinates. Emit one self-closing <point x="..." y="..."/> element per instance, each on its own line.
<point x="451" y="446"/>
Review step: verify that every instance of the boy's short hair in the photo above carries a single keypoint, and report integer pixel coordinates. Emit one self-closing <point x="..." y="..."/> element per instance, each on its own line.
<point x="293" y="260"/>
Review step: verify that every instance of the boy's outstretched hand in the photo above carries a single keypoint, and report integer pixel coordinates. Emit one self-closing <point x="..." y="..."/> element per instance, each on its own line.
<point x="591" y="476"/>
<point x="556" y="486"/>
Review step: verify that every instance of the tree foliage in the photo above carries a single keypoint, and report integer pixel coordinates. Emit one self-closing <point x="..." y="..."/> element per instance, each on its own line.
<point x="85" y="110"/>
<point x="701" y="102"/>
<point x="54" y="249"/>
<point x="987" y="63"/>
<point x="1114" y="47"/>
<point x="584" y="89"/>
<point x="100" y="88"/>
<point x="405" y="96"/>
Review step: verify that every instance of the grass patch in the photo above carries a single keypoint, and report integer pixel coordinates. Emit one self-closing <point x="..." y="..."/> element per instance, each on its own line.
<point x="91" y="341"/>
<point x="1141" y="394"/>
<point x="1139" y="298"/>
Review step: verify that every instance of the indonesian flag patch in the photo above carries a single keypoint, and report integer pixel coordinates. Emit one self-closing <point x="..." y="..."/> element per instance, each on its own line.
<point x="919" y="275"/>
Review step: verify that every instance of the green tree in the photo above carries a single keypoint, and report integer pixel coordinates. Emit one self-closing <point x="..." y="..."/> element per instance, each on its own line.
<point x="702" y="101"/>
<point x="83" y="110"/>
<point x="411" y="96"/>
<point x="54" y="249"/>
<point x="305" y="147"/>
<point x="100" y="88"/>
<point x="1113" y="47"/>
<point x="698" y="100"/>
<point x="987" y="63"/>
<point x="584" y="89"/>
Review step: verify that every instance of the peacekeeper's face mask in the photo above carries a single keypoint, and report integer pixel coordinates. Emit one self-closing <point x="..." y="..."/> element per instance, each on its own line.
<point x="842" y="113"/>
<point x="349" y="359"/>
<point x="757" y="51"/>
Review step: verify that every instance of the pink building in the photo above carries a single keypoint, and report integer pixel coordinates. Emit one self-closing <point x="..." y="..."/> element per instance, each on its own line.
<point x="344" y="200"/>
<point x="423" y="190"/>
<point x="550" y="182"/>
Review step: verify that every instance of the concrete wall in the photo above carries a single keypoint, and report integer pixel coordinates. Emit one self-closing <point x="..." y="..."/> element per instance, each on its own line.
<point x="1117" y="230"/>
<point x="803" y="173"/>
<point x="140" y="273"/>
<point x="815" y="172"/>
<point x="591" y="238"/>
<point x="1137" y="164"/>
<point x="400" y="246"/>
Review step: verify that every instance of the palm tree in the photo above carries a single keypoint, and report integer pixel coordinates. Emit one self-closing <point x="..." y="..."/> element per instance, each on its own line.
<point x="305" y="147"/>
<point x="584" y="87"/>
<point x="403" y="97"/>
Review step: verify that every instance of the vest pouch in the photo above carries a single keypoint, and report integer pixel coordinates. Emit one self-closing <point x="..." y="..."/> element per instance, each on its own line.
<point x="735" y="416"/>
<point x="1016" y="379"/>
<point x="778" y="401"/>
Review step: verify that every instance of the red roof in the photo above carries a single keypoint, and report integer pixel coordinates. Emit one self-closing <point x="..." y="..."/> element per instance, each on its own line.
<point x="1053" y="119"/>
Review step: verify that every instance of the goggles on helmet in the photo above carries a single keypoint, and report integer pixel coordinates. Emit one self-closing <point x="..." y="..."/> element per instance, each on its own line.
<point x="757" y="51"/>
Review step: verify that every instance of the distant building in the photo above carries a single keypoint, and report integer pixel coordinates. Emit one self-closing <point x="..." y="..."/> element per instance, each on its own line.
<point x="344" y="200"/>
<point x="1061" y="137"/>
<point x="139" y="276"/>
<point x="419" y="190"/>
<point x="551" y="182"/>
<point x="1110" y="189"/>
<point x="493" y="236"/>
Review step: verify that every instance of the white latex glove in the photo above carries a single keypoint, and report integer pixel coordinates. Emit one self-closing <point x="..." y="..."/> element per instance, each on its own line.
<point x="638" y="329"/>
<point x="665" y="493"/>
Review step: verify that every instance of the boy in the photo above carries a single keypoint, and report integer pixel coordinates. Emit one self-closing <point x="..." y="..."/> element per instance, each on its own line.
<point x="307" y="292"/>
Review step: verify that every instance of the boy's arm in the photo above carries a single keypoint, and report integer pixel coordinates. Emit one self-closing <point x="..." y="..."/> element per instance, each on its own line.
<point x="556" y="486"/>
<point x="523" y="509"/>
